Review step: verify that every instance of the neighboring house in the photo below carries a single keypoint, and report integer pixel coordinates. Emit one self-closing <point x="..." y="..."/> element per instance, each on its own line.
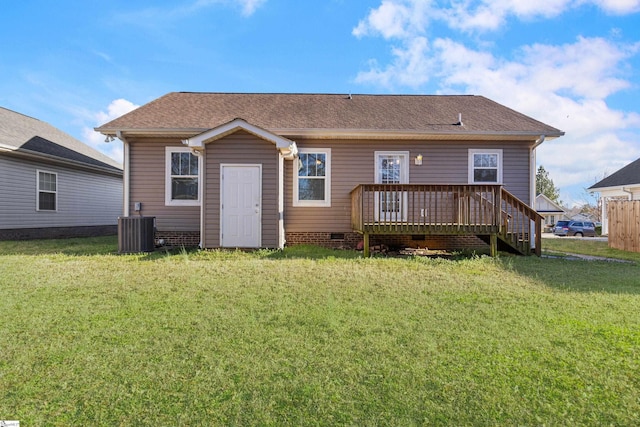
<point x="52" y="185"/>
<point x="262" y="170"/>
<point x="623" y="184"/>
<point x="550" y="211"/>
<point x="581" y="217"/>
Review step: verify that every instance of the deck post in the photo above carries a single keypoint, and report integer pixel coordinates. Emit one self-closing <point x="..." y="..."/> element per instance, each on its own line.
<point x="493" y="243"/>
<point x="366" y="245"/>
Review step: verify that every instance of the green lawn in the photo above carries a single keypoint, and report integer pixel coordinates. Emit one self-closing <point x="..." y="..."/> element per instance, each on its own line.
<point x="313" y="337"/>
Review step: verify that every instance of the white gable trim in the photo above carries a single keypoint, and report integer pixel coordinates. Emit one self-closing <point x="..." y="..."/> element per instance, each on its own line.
<point x="286" y="146"/>
<point x="552" y="207"/>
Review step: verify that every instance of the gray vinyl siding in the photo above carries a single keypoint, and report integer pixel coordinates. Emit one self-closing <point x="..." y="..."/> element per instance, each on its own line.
<point x="147" y="185"/>
<point x="241" y="148"/>
<point x="83" y="198"/>
<point x="353" y="163"/>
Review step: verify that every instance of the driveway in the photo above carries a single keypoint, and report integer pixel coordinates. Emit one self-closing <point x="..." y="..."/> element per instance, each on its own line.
<point x="553" y="236"/>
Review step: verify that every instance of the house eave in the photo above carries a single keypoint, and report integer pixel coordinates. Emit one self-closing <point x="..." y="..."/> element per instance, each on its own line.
<point x="37" y="156"/>
<point x="613" y="188"/>
<point x="352" y="134"/>
<point x="410" y="135"/>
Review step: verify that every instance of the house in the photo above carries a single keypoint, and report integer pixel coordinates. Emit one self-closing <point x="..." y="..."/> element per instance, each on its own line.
<point x="551" y="212"/>
<point x="623" y="184"/>
<point x="261" y="170"/>
<point x="52" y="185"/>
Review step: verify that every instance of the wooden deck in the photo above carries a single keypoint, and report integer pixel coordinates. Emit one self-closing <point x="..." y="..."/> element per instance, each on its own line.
<point x="487" y="211"/>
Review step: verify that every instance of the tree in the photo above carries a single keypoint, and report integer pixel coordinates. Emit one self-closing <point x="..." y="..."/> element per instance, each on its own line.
<point x="544" y="185"/>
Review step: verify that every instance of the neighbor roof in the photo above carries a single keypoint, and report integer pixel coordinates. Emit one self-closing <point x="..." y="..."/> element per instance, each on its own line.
<point x="286" y="113"/>
<point x="628" y="175"/>
<point x="556" y="208"/>
<point x="24" y="134"/>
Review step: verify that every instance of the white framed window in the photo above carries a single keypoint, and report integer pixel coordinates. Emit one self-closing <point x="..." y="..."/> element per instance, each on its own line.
<point x="47" y="191"/>
<point x="312" y="178"/>
<point x="485" y="166"/>
<point x="182" y="172"/>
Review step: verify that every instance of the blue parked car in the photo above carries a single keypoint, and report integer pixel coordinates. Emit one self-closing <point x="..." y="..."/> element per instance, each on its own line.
<point x="575" y="228"/>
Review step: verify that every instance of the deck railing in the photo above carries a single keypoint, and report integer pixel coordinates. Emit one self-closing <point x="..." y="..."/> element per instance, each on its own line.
<point x="485" y="210"/>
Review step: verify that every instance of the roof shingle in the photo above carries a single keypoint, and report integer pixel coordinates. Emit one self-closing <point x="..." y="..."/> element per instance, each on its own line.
<point x="19" y="132"/>
<point x="412" y="113"/>
<point x="628" y="175"/>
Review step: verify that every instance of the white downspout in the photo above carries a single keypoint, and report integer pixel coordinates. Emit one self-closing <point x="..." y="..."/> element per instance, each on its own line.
<point x="532" y="183"/>
<point x="533" y="172"/>
<point x="202" y="168"/>
<point x="281" y="231"/>
<point x="604" y="202"/>
<point x="125" y="174"/>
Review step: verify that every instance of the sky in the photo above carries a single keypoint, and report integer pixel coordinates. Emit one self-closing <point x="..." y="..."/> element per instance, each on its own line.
<point x="573" y="64"/>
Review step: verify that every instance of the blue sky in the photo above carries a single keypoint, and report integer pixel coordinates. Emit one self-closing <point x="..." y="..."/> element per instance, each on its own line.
<point x="572" y="64"/>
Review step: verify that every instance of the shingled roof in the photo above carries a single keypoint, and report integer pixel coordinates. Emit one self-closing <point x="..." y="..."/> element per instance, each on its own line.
<point x="25" y="135"/>
<point x="628" y="175"/>
<point x="286" y="113"/>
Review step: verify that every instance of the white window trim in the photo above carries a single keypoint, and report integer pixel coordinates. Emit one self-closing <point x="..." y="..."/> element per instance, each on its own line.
<point x="167" y="178"/>
<point x="473" y="151"/>
<point x="38" y="172"/>
<point x="326" y="203"/>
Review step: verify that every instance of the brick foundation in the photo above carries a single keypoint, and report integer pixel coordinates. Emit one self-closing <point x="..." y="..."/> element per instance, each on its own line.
<point x="348" y="240"/>
<point x="351" y="240"/>
<point x="188" y="239"/>
<point x="58" y="232"/>
<point x="328" y="240"/>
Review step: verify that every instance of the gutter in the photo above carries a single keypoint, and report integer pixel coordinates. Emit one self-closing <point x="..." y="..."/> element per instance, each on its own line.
<point x="540" y="141"/>
<point x="369" y="134"/>
<point x="38" y="156"/>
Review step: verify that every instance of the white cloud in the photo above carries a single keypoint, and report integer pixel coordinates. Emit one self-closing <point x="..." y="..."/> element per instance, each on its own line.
<point x="618" y="7"/>
<point x="544" y="84"/>
<point x="566" y="86"/>
<point x="486" y="15"/>
<point x="389" y="20"/>
<point x="490" y="14"/>
<point x="115" y="109"/>
<point x="248" y="6"/>
<point x="158" y="17"/>
<point x="400" y="18"/>
<point x="411" y="67"/>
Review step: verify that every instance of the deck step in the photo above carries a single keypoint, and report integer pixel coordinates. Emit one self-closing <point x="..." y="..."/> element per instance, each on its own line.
<point x="505" y="244"/>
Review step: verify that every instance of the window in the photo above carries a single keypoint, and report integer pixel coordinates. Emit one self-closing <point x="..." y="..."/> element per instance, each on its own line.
<point x="312" y="178"/>
<point x="47" y="193"/>
<point x="182" y="172"/>
<point x="485" y="166"/>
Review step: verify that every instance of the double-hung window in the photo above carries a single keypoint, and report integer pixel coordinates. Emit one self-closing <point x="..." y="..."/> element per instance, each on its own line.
<point x="312" y="178"/>
<point x="485" y="166"/>
<point x="47" y="192"/>
<point x="181" y="177"/>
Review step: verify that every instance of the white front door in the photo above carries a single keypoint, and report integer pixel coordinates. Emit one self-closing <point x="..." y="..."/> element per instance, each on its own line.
<point x="392" y="167"/>
<point x="241" y="206"/>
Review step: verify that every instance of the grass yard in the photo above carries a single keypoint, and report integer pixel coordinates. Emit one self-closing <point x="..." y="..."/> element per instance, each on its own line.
<point x="313" y="337"/>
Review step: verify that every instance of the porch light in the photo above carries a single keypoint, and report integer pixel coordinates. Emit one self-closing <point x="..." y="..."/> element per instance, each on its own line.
<point x="418" y="160"/>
